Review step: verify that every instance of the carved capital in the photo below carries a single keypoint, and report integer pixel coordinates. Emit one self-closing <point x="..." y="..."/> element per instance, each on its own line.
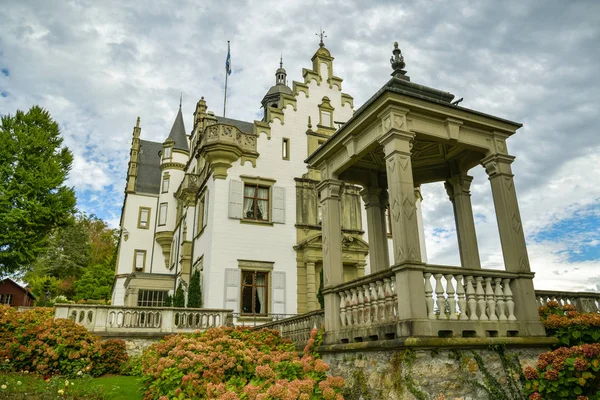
<point x="371" y="197"/>
<point x="330" y="189"/>
<point x="497" y="165"/>
<point x="458" y="185"/>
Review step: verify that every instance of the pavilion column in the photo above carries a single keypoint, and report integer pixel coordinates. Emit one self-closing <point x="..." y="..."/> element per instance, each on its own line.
<point x="331" y="230"/>
<point x="376" y="227"/>
<point x="418" y="201"/>
<point x="512" y="238"/>
<point x="408" y="267"/>
<point x="311" y="286"/>
<point x="458" y="189"/>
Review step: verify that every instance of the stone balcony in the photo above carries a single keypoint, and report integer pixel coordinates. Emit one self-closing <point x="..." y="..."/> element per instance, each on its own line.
<point x="221" y="145"/>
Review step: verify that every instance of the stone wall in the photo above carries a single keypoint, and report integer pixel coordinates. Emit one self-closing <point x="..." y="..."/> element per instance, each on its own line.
<point x="135" y="345"/>
<point x="422" y="373"/>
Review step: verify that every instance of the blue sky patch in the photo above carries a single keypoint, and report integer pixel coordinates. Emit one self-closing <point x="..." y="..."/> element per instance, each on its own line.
<point x="4" y="94"/>
<point x="5" y="71"/>
<point x="578" y="236"/>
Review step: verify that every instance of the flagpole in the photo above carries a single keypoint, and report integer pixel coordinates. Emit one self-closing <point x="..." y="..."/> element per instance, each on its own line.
<point x="226" y="75"/>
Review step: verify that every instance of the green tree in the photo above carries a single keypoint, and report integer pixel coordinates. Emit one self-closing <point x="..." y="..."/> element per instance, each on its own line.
<point x="95" y="284"/>
<point x="179" y="299"/>
<point x="195" y="291"/>
<point x="33" y="197"/>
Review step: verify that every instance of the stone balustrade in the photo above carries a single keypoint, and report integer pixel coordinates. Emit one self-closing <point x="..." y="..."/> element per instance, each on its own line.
<point x="297" y="328"/>
<point x="582" y="301"/>
<point x="142" y="320"/>
<point x="468" y="295"/>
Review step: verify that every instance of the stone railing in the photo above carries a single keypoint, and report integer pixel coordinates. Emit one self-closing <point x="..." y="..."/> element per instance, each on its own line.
<point x="468" y="295"/>
<point x="297" y="328"/>
<point x="228" y="134"/>
<point x="134" y="320"/>
<point x="582" y="301"/>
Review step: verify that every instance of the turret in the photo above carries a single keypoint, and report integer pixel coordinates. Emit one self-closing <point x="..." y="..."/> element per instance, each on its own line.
<point x="133" y="158"/>
<point x="273" y="96"/>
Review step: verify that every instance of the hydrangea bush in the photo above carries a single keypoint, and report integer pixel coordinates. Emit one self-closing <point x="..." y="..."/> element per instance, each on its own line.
<point x="227" y="363"/>
<point x="568" y="325"/>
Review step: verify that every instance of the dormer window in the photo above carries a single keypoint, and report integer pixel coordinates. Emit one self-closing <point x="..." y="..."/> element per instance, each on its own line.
<point x="167" y="153"/>
<point x="325" y="118"/>
<point x="326" y="113"/>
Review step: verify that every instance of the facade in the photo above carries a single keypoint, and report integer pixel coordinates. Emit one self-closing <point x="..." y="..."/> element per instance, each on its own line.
<point x="11" y="293"/>
<point x="236" y="201"/>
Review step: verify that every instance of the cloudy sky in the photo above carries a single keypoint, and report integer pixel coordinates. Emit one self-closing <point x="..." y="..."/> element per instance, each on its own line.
<point x="96" y="66"/>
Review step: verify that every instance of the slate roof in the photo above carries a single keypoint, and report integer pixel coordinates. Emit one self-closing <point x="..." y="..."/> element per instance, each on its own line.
<point x="178" y="134"/>
<point x="148" y="174"/>
<point x="246" y="127"/>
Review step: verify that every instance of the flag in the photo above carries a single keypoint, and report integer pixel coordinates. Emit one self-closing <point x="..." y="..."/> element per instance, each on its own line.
<point x="228" y="61"/>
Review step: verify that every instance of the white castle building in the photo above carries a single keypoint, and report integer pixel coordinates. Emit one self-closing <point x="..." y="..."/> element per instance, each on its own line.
<point x="236" y="201"/>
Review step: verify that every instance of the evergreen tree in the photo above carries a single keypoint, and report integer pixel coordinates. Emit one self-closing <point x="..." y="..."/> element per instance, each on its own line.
<point x="168" y="301"/>
<point x="179" y="299"/>
<point x="33" y="197"/>
<point x="96" y="283"/>
<point x="195" y="291"/>
<point x="320" y="297"/>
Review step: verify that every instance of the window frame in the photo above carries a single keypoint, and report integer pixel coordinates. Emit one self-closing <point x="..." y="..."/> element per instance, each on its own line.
<point x="170" y="153"/>
<point x="253" y="285"/>
<point x="8" y="299"/>
<point x="155" y="298"/>
<point x="140" y="211"/>
<point x="161" y="214"/>
<point x="135" y="257"/>
<point x="166" y="178"/>
<point x="256" y="186"/>
<point x="285" y="148"/>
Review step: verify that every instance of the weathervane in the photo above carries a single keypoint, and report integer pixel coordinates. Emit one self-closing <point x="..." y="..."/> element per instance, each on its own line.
<point x="321" y="36"/>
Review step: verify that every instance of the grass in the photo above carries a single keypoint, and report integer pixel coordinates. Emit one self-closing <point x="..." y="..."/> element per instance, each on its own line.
<point x="29" y="386"/>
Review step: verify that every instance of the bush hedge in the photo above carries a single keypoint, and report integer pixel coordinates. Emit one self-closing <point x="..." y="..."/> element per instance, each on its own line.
<point x="228" y="363"/>
<point x="569" y="326"/>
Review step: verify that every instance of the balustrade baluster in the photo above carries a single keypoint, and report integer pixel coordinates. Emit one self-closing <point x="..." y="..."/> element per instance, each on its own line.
<point x="471" y="301"/>
<point x="342" y="308"/>
<point x="389" y="303"/>
<point x="374" y="303"/>
<point x="508" y="299"/>
<point x="355" y="321"/>
<point x="361" y="306"/>
<point x="367" y="311"/>
<point x="500" y="305"/>
<point x="451" y="300"/>
<point x="348" y="308"/>
<point x="480" y="293"/>
<point x="462" y="301"/>
<point x="440" y="301"/>
<point x="429" y="296"/>
<point x="380" y="301"/>
<point x="491" y="301"/>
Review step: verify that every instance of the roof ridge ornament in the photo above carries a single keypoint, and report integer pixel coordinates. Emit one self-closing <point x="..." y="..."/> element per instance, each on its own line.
<point x="398" y="64"/>
<point x="321" y="35"/>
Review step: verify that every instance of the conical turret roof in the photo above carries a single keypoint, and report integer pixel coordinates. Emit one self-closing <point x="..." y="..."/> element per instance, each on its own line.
<point x="178" y="134"/>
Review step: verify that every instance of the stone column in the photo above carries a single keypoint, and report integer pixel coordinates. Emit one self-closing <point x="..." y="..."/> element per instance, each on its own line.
<point x="376" y="227"/>
<point x="514" y="250"/>
<point x="458" y="189"/>
<point x="331" y="228"/>
<point x="418" y="200"/>
<point x="408" y="266"/>
<point x="512" y="239"/>
<point x="311" y="287"/>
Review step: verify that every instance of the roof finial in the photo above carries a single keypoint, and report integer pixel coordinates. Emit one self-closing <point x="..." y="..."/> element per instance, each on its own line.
<point x="397" y="61"/>
<point x="180" y="99"/>
<point x="137" y="123"/>
<point x="281" y="61"/>
<point x="321" y="36"/>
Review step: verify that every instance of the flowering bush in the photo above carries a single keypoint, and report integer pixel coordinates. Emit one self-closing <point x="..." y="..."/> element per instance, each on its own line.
<point x="568" y="325"/>
<point x="226" y="363"/>
<point x="34" y="341"/>
<point x="112" y="357"/>
<point x="565" y="373"/>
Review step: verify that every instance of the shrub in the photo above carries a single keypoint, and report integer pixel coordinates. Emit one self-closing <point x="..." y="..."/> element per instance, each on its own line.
<point x="565" y="373"/>
<point x="569" y="326"/>
<point x="132" y="367"/>
<point x="112" y="357"/>
<point x="228" y="363"/>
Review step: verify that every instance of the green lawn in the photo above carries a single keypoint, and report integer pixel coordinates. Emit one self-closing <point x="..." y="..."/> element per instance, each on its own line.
<point x="29" y="386"/>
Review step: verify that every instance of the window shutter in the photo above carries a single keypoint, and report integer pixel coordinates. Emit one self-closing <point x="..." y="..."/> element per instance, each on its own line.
<point x="232" y="289"/>
<point x="236" y="199"/>
<point x="205" y="216"/>
<point x="278" y="205"/>
<point x="278" y="293"/>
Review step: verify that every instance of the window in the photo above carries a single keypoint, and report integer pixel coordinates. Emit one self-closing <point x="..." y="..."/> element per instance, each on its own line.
<point x="144" y="218"/>
<point x="139" y="261"/>
<point x="255" y="292"/>
<point x="202" y="212"/>
<point x="1" y="298"/>
<point x="325" y="118"/>
<point x="388" y="215"/>
<point x="256" y="202"/>
<point x="151" y="298"/>
<point x="167" y="153"/>
<point x="162" y="215"/>
<point x="285" y="149"/>
<point x="8" y="299"/>
<point x="165" y="183"/>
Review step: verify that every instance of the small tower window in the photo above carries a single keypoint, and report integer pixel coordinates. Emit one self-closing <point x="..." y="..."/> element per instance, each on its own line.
<point x="285" y="149"/>
<point x="325" y="118"/>
<point x="167" y="153"/>
<point x="165" y="183"/>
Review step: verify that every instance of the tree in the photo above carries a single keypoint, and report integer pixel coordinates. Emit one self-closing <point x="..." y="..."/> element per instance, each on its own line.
<point x="179" y="299"/>
<point x="95" y="284"/>
<point x="33" y="197"/>
<point x="195" y="291"/>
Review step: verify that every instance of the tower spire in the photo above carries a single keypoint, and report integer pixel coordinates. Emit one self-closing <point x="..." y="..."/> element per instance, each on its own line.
<point x="180" y="99"/>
